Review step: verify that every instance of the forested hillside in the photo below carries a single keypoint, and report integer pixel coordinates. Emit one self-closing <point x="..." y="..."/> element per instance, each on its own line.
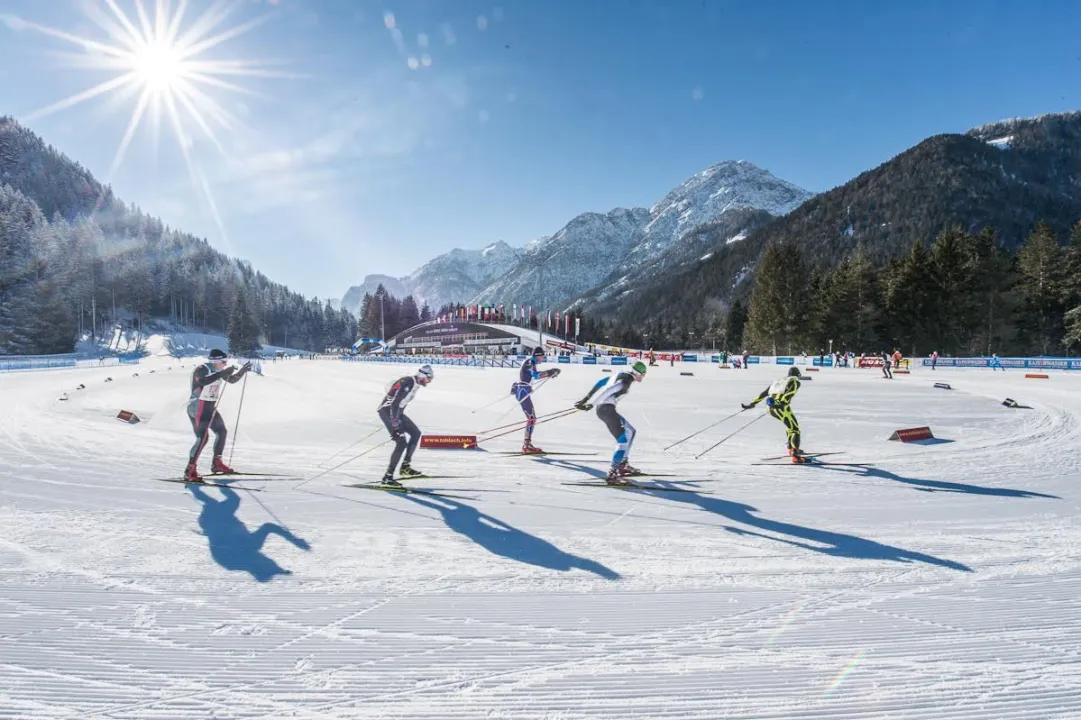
<point x="70" y="252"/>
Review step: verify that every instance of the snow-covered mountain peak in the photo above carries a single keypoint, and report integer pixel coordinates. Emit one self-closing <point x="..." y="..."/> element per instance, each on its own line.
<point x="733" y="184"/>
<point x="594" y="245"/>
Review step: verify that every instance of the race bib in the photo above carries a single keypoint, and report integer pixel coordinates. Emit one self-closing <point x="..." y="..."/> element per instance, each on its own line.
<point x="211" y="392"/>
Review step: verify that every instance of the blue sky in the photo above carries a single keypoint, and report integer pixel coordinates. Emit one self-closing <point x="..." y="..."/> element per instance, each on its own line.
<point x="393" y="130"/>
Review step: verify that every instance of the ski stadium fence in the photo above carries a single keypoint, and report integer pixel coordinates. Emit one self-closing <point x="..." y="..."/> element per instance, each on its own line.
<point x="462" y="361"/>
<point x="1042" y="363"/>
<point x="16" y="363"/>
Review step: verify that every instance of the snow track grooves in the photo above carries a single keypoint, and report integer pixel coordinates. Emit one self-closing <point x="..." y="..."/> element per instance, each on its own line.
<point x="785" y="593"/>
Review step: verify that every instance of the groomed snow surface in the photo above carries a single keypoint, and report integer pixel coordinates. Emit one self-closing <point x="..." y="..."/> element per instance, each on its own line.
<point x="937" y="581"/>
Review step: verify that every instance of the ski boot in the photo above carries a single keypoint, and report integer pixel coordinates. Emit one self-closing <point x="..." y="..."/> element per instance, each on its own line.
<point x="798" y="457"/>
<point x="407" y="471"/>
<point x="615" y="477"/>
<point x="528" y="448"/>
<point x="191" y="473"/>
<point x="389" y="481"/>
<point x="218" y="467"/>
<point x="625" y="469"/>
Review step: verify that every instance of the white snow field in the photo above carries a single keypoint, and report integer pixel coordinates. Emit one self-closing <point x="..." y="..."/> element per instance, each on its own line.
<point x="936" y="581"/>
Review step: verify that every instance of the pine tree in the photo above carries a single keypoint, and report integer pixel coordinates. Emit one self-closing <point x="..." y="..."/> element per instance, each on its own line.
<point x="733" y="326"/>
<point x="408" y="314"/>
<point x="243" y="332"/>
<point x="1072" y="268"/>
<point x="952" y="275"/>
<point x="20" y="220"/>
<point x="848" y="305"/>
<point x="776" y="318"/>
<point x="1073" y="330"/>
<point x="1040" y="266"/>
<point x="368" y="319"/>
<point x="993" y="302"/>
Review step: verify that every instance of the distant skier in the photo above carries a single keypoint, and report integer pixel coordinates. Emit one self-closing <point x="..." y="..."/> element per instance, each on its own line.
<point x="996" y="364"/>
<point x="207" y="382"/>
<point x="934" y="359"/>
<point x="886" y="372"/>
<point x="621" y="430"/>
<point x="778" y="397"/>
<point x="746" y="359"/>
<point x="523" y="391"/>
<point x="391" y="412"/>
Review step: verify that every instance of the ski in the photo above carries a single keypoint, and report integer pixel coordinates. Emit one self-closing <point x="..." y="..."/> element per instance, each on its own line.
<point x="652" y="474"/>
<point x="250" y="474"/>
<point x="404" y="490"/>
<point x="204" y="483"/>
<point x="634" y="486"/>
<point x="814" y="463"/>
<point x="542" y="454"/>
<point x="810" y="455"/>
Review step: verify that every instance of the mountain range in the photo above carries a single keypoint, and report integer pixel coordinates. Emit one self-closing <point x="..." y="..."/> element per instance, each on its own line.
<point x="696" y="250"/>
<point x="598" y="253"/>
<point x="1008" y="176"/>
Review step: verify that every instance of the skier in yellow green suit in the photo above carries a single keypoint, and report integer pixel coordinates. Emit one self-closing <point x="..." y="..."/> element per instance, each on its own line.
<point x="778" y="397"/>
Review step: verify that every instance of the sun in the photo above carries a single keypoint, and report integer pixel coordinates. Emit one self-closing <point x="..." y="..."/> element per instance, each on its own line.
<point x="160" y="65"/>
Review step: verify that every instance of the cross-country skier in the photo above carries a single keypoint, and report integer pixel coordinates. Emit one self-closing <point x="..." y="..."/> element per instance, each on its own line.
<point x="522" y="392"/>
<point x="778" y="397"/>
<point x="621" y="430"/>
<point x="207" y="383"/>
<point x="399" y="426"/>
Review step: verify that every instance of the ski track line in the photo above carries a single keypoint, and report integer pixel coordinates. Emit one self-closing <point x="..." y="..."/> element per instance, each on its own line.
<point x="21" y="447"/>
<point x="615" y="520"/>
<point x="311" y="632"/>
<point x="607" y="651"/>
<point x="456" y="645"/>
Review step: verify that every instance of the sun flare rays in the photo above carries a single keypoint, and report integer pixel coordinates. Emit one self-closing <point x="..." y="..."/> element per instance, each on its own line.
<point x="161" y="67"/>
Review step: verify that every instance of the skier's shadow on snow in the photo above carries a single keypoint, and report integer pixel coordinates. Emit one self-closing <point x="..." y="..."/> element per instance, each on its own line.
<point x="499" y="538"/>
<point x="571" y="465"/>
<point x="867" y="471"/>
<point x="232" y="545"/>
<point x="822" y="541"/>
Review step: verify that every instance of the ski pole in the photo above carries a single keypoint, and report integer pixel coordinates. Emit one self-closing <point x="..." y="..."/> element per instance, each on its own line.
<point x="752" y="422"/>
<point x="485" y="407"/>
<point x="343" y="462"/>
<point x="496" y="402"/>
<point x="236" y="425"/>
<point x="519" y="422"/>
<point x="348" y="447"/>
<point x="561" y="414"/>
<point x="709" y="427"/>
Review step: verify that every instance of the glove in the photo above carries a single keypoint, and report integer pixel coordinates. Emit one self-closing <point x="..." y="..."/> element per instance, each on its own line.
<point x="770" y="402"/>
<point x="746" y="406"/>
<point x="554" y="372"/>
<point x="228" y="372"/>
<point x="583" y="405"/>
<point x="246" y="366"/>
